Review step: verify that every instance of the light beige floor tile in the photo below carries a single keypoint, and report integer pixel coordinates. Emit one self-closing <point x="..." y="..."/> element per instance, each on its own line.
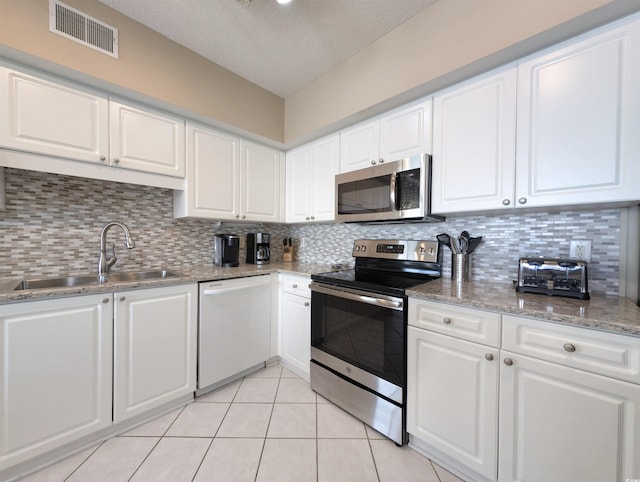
<point x="321" y="399"/>
<point x="293" y="420"/>
<point x="222" y="394"/>
<point x="295" y="390"/>
<point x="445" y="475"/>
<point x="288" y="460"/>
<point x="345" y="460"/>
<point x="333" y="422"/>
<point x="156" y="427"/>
<point x="272" y="371"/>
<point x="231" y="459"/>
<point x="60" y="470"/>
<point x="286" y="373"/>
<point x="173" y="460"/>
<point x="116" y="459"/>
<point x="257" y="390"/>
<point x="198" y="420"/>
<point x="246" y="420"/>
<point x="373" y="434"/>
<point x="401" y="463"/>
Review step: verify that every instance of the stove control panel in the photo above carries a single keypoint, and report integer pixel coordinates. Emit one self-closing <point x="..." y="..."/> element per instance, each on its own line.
<point x="409" y="250"/>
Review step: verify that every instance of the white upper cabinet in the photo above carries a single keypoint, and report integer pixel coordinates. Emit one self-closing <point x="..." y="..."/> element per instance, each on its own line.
<point x="311" y="171"/>
<point x="400" y="133"/>
<point x="261" y="183"/>
<point x="146" y="140"/>
<point x="213" y="175"/>
<point x="42" y="115"/>
<point x="578" y="119"/>
<point x="229" y="179"/>
<point x="474" y="144"/>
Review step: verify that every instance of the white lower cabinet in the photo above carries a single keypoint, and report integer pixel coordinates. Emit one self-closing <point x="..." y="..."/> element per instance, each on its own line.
<point x="155" y="347"/>
<point x="555" y="403"/>
<point x="55" y="374"/>
<point x="294" y="325"/>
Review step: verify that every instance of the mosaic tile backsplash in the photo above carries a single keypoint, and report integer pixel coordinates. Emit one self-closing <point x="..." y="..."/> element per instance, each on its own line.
<point x="52" y="223"/>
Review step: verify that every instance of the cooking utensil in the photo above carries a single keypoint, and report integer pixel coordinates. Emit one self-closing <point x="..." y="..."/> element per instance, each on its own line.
<point x="463" y="240"/>
<point x="445" y="239"/>
<point x="473" y="243"/>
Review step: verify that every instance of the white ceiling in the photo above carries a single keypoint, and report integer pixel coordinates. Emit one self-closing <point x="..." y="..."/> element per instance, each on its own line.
<point x="278" y="47"/>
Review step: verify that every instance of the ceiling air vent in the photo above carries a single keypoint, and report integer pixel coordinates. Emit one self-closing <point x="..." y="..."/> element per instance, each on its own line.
<point x="80" y="27"/>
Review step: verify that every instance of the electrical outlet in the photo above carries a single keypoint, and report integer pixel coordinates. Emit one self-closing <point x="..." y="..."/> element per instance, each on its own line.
<point x="580" y="249"/>
<point x="301" y="243"/>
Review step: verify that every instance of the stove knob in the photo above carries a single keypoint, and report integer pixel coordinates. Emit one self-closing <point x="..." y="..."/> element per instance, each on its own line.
<point x="356" y="248"/>
<point x="364" y="248"/>
<point x="421" y="250"/>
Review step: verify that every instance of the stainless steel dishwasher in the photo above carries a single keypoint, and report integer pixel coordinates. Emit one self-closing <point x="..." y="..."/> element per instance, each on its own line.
<point x="234" y="328"/>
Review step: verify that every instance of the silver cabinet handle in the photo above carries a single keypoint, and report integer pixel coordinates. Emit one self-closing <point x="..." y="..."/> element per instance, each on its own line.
<point x="373" y="162"/>
<point x="570" y="347"/>
<point x="123" y="298"/>
<point x="307" y="218"/>
<point x="522" y="200"/>
<point x="489" y="356"/>
<point x="116" y="160"/>
<point x="105" y="300"/>
<point x="508" y="362"/>
<point x="103" y="158"/>
<point x="446" y="320"/>
<point x="506" y="202"/>
<point x="306" y="303"/>
<point x="244" y="216"/>
<point x="237" y="216"/>
<point x="295" y="285"/>
<point x="313" y="217"/>
<point x="381" y="161"/>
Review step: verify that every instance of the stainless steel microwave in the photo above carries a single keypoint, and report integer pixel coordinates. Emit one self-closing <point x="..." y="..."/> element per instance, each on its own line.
<point x="398" y="191"/>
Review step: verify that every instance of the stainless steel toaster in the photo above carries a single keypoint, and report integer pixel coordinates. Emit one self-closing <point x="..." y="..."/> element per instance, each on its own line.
<point x="553" y="276"/>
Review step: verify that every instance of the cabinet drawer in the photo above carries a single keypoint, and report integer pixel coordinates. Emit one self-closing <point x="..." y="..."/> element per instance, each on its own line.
<point x="466" y="323"/>
<point x="295" y="285"/>
<point x="608" y="354"/>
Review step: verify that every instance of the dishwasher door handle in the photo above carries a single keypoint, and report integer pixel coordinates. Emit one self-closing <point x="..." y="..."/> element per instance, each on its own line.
<point x="219" y="289"/>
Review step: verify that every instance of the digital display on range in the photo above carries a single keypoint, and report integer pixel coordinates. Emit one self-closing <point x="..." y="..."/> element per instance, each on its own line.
<point x="390" y="248"/>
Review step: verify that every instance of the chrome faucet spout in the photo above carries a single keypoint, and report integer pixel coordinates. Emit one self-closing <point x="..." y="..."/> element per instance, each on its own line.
<point x="104" y="262"/>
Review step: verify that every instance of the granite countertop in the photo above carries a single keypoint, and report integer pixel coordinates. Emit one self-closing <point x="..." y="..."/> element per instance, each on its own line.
<point x="188" y="274"/>
<point x="606" y="313"/>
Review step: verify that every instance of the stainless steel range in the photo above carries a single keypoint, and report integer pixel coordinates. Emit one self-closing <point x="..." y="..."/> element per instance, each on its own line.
<point x="359" y="327"/>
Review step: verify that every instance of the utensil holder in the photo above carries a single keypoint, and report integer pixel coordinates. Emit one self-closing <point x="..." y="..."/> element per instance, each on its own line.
<point x="461" y="266"/>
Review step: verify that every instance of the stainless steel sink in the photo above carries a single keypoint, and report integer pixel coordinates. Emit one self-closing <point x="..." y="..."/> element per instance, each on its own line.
<point x="141" y="276"/>
<point x="71" y="281"/>
<point x="62" y="282"/>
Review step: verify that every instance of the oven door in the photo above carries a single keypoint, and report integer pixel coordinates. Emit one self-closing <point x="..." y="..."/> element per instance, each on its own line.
<point x="361" y="336"/>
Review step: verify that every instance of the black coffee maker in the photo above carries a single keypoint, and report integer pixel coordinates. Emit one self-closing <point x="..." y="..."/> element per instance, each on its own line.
<point x="258" y="250"/>
<point x="226" y="250"/>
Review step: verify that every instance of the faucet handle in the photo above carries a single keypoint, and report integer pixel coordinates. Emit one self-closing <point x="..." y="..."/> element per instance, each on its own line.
<point x="111" y="261"/>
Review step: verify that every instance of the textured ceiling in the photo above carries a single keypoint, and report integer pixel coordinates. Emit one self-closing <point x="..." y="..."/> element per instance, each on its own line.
<point x="278" y="47"/>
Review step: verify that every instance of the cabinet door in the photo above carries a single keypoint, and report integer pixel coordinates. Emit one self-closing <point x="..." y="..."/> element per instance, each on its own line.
<point x="261" y="180"/>
<point x="213" y="176"/>
<point x="325" y="166"/>
<point x="360" y="146"/>
<point x="146" y="140"/>
<point x="578" y="117"/>
<point x="154" y="348"/>
<point x="55" y="374"/>
<point x="298" y="184"/>
<point x="452" y="398"/>
<point x="43" y="116"/>
<point x="406" y="131"/>
<point x="559" y="423"/>
<point x="474" y="131"/>
<point x="295" y="333"/>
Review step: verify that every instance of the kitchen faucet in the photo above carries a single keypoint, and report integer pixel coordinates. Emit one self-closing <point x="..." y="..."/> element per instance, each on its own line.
<point x="104" y="263"/>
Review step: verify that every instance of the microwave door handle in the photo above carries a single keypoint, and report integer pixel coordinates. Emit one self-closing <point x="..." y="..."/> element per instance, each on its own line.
<point x="392" y="191"/>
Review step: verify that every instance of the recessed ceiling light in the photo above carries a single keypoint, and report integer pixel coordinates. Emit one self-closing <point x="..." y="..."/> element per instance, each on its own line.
<point x="284" y="2"/>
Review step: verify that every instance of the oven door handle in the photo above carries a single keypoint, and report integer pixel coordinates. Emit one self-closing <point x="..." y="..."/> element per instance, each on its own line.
<point x="353" y="295"/>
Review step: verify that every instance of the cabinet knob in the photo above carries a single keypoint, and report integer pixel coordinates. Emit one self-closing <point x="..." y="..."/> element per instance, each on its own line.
<point x="105" y="300"/>
<point x="116" y="160"/>
<point x="373" y="162"/>
<point x="312" y="218"/>
<point x="237" y="216"/>
<point x="508" y="362"/>
<point x="489" y="356"/>
<point x="123" y="298"/>
<point x="295" y="286"/>
<point x="306" y="303"/>
<point x="244" y="216"/>
<point x="381" y="161"/>
<point x="446" y="320"/>
<point x="307" y="218"/>
<point x="570" y="347"/>
<point x="506" y="202"/>
<point x="522" y="200"/>
<point x="103" y="158"/>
